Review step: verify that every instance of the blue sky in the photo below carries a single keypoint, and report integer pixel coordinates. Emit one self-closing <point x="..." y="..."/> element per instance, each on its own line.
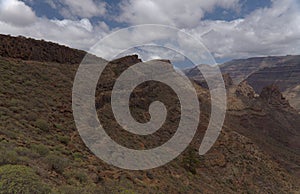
<point x="246" y="7"/>
<point x="43" y="9"/>
<point x="229" y="29"/>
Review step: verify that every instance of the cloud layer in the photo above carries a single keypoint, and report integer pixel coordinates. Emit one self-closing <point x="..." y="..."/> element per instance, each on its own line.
<point x="266" y="31"/>
<point x="16" y="13"/>
<point x="17" y="18"/>
<point x="273" y="30"/>
<point x="177" y="13"/>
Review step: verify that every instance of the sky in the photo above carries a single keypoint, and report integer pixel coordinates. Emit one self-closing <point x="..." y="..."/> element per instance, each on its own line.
<point x="229" y="29"/>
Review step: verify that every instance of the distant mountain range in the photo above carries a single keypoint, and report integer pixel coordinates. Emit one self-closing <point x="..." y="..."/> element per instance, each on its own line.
<point x="259" y="72"/>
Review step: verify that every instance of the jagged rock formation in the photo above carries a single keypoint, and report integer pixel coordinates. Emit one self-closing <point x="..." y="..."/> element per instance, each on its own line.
<point x="293" y="96"/>
<point x="127" y="61"/>
<point x="273" y="96"/>
<point x="283" y="71"/>
<point x="267" y="119"/>
<point x="245" y="90"/>
<point x="227" y="80"/>
<point x="259" y="72"/>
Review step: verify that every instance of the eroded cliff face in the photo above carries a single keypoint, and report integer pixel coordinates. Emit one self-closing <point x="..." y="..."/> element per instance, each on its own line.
<point x="245" y="90"/>
<point x="272" y="96"/>
<point x="259" y="72"/>
<point x="282" y="71"/>
<point x="286" y="75"/>
<point x="293" y="96"/>
<point x="240" y="69"/>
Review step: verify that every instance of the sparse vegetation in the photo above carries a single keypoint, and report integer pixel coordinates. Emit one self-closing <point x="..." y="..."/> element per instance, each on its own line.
<point x="40" y="147"/>
<point x="18" y="179"/>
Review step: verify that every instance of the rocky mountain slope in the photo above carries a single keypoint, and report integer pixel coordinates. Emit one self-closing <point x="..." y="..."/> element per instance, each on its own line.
<point x="240" y="69"/>
<point x="42" y="152"/>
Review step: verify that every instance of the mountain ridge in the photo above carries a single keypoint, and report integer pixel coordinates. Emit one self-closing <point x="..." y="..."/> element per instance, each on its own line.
<point x="38" y="50"/>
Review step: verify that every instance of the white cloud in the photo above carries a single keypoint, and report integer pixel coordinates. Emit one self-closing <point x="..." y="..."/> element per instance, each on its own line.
<point x="16" y="18"/>
<point x="78" y="8"/>
<point x="16" y="13"/>
<point x="152" y="42"/>
<point x="176" y="12"/>
<point x="74" y="33"/>
<point x="84" y="24"/>
<point x="266" y="31"/>
<point x="272" y="30"/>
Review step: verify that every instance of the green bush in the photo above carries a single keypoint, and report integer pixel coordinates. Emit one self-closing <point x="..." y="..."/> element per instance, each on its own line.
<point x="57" y="163"/>
<point x="58" y="126"/>
<point x="25" y="152"/>
<point x="70" y="190"/>
<point x="78" y="175"/>
<point x="77" y="155"/>
<point x="8" y="157"/>
<point x="14" y="102"/>
<point x="40" y="149"/>
<point x="126" y="191"/>
<point x="9" y="133"/>
<point x="30" y="116"/>
<point x="88" y="189"/>
<point x="191" y="161"/>
<point x="63" y="139"/>
<point x="18" y="179"/>
<point x="81" y="177"/>
<point x="42" y="124"/>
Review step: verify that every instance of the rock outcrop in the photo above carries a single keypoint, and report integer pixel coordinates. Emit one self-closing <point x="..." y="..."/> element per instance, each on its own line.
<point x="272" y="95"/>
<point x="127" y="60"/>
<point x="227" y="80"/>
<point x="259" y="72"/>
<point x="245" y="90"/>
<point x="38" y="50"/>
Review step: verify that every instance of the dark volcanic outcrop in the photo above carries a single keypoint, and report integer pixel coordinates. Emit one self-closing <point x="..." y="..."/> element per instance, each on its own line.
<point x="227" y="80"/>
<point x="245" y="90"/>
<point x="272" y="95"/>
<point x="127" y="60"/>
<point x="35" y="50"/>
